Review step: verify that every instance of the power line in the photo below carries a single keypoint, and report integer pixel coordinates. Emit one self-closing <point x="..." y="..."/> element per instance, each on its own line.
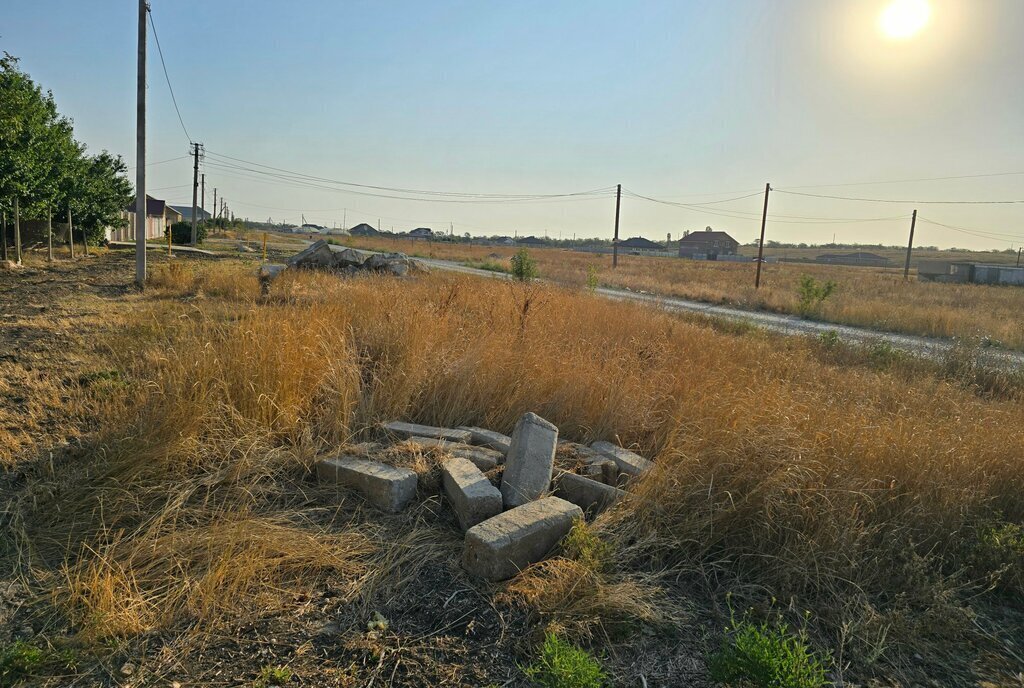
<point x="892" y="200"/>
<point x="902" y="181"/>
<point x="984" y="234"/>
<point x="160" y="162"/>
<point x="166" y="77"/>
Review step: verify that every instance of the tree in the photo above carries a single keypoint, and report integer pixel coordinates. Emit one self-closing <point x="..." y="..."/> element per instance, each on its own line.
<point x="99" y="192"/>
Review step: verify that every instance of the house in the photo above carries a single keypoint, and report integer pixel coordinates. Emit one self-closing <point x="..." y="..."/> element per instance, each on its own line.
<point x="503" y="241"/>
<point x="639" y="246"/>
<point x="531" y="241"/>
<point x="186" y="213"/>
<point x="159" y="218"/>
<point x="422" y="233"/>
<point x="858" y="258"/>
<point x="965" y="272"/>
<point x="707" y="245"/>
<point x="363" y="230"/>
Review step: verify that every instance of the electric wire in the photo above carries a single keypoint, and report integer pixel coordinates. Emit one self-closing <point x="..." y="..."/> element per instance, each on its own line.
<point x="166" y="76"/>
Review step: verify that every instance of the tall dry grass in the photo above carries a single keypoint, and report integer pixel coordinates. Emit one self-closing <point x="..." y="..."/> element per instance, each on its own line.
<point x="858" y="494"/>
<point x="869" y="297"/>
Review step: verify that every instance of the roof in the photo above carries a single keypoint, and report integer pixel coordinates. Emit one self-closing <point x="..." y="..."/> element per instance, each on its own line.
<point x="421" y="231"/>
<point x="362" y="228"/>
<point x="701" y="237"/>
<point x="530" y="240"/>
<point x="639" y="242"/>
<point x="186" y="212"/>
<point x="154" y="206"/>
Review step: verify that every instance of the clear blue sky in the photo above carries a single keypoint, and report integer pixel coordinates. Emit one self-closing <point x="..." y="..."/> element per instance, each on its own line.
<point x="689" y="101"/>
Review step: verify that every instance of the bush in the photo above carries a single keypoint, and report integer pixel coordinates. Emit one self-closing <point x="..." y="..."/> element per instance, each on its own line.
<point x="812" y="294"/>
<point x="181" y="233"/>
<point x="767" y="656"/>
<point x="592" y="279"/>
<point x="271" y="676"/>
<point x="524" y="268"/>
<point x="562" y="665"/>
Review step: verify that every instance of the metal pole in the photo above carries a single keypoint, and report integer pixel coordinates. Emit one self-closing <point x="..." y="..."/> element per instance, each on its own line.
<point x="615" y="239"/>
<point x="760" y="245"/>
<point x="71" y="234"/>
<point x="17" y="232"/>
<point x="910" y="247"/>
<point x="195" y="190"/>
<point x="140" y="153"/>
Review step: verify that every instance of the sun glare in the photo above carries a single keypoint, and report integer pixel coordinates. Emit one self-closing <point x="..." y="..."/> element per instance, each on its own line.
<point x="903" y="19"/>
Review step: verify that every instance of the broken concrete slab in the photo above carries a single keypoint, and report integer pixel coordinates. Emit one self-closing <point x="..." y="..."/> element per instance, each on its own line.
<point x="407" y="430"/>
<point x="317" y="254"/>
<point x="590" y="495"/>
<point x="627" y="461"/>
<point x="485" y="459"/>
<point x="530" y="459"/>
<point x="387" y="487"/>
<point x="488" y="438"/>
<point x="471" y="494"/>
<point x="500" y="547"/>
<point x="586" y="461"/>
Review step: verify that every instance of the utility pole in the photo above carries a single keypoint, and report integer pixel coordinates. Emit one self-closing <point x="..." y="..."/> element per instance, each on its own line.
<point x="910" y="246"/>
<point x="202" y="184"/>
<point x="760" y="245"/>
<point x="140" y="153"/>
<point x="344" y="219"/>
<point x="71" y="234"/>
<point x="615" y="239"/>
<point x="215" y="203"/>
<point x="1018" y="252"/>
<point x="17" y="232"/>
<point x="195" y="190"/>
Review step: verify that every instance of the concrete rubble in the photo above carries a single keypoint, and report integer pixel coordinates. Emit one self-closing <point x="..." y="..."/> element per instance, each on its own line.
<point x="509" y="515"/>
<point x="322" y="255"/>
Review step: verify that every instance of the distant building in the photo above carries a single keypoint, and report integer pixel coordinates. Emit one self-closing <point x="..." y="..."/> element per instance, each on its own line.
<point x="707" y="245"/>
<point x="186" y="213"/>
<point x="363" y="230"/>
<point x="858" y="258"/>
<point x="531" y="241"/>
<point x="504" y="241"/>
<point x="639" y="246"/>
<point x="159" y="218"/>
<point x="966" y="272"/>
<point x="422" y="233"/>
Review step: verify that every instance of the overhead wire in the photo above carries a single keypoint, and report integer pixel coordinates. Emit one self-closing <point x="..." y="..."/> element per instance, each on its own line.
<point x="167" y="77"/>
<point x="895" y="200"/>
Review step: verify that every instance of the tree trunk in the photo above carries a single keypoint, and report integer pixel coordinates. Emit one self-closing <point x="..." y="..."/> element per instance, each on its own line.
<point x="49" y="235"/>
<point x="71" y="235"/>
<point x="17" y="232"/>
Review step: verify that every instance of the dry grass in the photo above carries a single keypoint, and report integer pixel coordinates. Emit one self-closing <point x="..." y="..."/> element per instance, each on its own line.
<point x="855" y="493"/>
<point x="869" y="297"/>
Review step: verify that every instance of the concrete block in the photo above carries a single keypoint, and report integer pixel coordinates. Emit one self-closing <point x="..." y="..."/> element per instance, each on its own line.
<point x="589" y="495"/>
<point x="470" y="493"/>
<point x="406" y="430"/>
<point x="386" y="487"/>
<point x="500" y="547"/>
<point x="588" y="462"/>
<point x="488" y="438"/>
<point x="627" y="461"/>
<point x="485" y="459"/>
<point x="530" y="458"/>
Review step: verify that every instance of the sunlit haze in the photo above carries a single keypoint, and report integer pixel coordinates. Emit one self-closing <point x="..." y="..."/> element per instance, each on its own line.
<point x="684" y="102"/>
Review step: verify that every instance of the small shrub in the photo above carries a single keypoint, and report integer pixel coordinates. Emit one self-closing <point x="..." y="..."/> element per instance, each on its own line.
<point x="562" y="665"/>
<point x="524" y="268"/>
<point x="592" y="279"/>
<point x="18" y="661"/>
<point x="829" y="339"/>
<point x="583" y="545"/>
<point x="999" y="553"/>
<point x="181" y="233"/>
<point x="766" y="656"/>
<point x="812" y="294"/>
<point x="273" y="676"/>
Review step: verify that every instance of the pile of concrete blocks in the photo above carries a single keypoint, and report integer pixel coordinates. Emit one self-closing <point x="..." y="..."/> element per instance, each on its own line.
<point x="343" y="260"/>
<point x="515" y="498"/>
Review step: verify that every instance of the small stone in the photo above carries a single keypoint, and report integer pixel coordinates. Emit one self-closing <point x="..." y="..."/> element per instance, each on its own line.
<point x="530" y="459"/>
<point x="127" y="669"/>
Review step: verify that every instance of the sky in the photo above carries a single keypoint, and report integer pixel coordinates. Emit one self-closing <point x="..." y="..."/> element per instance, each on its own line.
<point x="689" y="102"/>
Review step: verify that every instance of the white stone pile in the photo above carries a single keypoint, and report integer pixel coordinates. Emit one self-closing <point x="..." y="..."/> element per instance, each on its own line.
<point x="545" y="485"/>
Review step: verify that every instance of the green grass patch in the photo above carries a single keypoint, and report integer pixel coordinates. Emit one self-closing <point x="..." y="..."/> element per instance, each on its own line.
<point x="563" y="665"/>
<point x="583" y="545"/>
<point x="273" y="676"/>
<point x="489" y="265"/>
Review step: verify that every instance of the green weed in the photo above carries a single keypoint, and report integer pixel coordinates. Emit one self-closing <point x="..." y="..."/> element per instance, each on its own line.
<point x="583" y="545"/>
<point x="812" y="294"/>
<point x="273" y="676"/>
<point x="524" y="268"/>
<point x="562" y="665"/>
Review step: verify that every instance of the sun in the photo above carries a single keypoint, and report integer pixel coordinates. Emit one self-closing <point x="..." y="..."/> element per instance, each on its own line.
<point x="903" y="19"/>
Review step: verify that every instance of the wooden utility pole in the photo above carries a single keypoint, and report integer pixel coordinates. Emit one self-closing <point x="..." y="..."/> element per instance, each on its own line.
<point x="49" y="235"/>
<point x="202" y="199"/>
<point x="910" y="247"/>
<point x="195" y="190"/>
<point x="71" y="234"/>
<point x="615" y="239"/>
<point x="760" y="245"/>
<point x="140" y="153"/>
<point x="1018" y="253"/>
<point x="215" y="203"/>
<point x="17" y="232"/>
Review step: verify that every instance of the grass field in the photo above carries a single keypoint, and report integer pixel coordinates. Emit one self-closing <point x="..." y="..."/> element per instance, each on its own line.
<point x="869" y="297"/>
<point x="873" y="506"/>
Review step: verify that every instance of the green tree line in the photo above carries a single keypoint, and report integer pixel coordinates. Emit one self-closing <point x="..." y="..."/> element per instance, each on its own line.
<point x="46" y="169"/>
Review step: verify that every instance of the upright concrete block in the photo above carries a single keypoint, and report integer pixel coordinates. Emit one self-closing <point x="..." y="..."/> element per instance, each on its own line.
<point x="470" y="493"/>
<point x="531" y="456"/>
<point x="386" y="487"/>
<point x="488" y="438"/>
<point x="500" y="547"/>
<point x="485" y="459"/>
<point x="406" y="430"/>
<point x="627" y="461"/>
<point x="589" y="495"/>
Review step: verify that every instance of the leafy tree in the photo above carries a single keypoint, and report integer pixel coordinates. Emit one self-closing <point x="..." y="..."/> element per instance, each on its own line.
<point x="524" y="268"/>
<point x="100" y="191"/>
